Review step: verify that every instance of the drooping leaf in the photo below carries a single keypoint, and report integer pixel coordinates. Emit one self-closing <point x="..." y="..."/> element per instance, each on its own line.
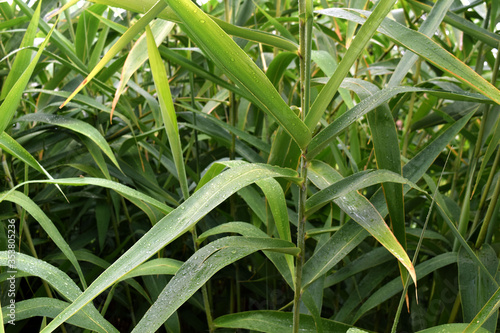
<point x="235" y="63"/>
<point x="199" y="268"/>
<point x="47" y="225"/>
<point x="360" y="209"/>
<point x="49" y="307"/>
<point x="275" y="321"/>
<point x="76" y="126"/>
<point x="425" y="47"/>
<point x="180" y="220"/>
<point x="59" y="281"/>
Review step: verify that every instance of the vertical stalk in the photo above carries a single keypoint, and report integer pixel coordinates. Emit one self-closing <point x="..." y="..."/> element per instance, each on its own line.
<point x="486" y="189"/>
<point x="193" y="105"/>
<point x="305" y="42"/>
<point x="300" y="244"/>
<point x="491" y="208"/>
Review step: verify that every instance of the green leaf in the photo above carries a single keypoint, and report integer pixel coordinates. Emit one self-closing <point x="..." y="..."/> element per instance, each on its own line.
<point x="371" y="259"/>
<point x="278" y="66"/>
<point x="47" y="225"/>
<point x="320" y="141"/>
<point x="249" y="230"/>
<point x="426" y="48"/>
<point x="371" y="280"/>
<point x="120" y="44"/>
<point x="206" y="125"/>
<point x="76" y="126"/>
<point x="276" y="199"/>
<point x="363" y="36"/>
<point x="59" y="281"/>
<point x="466" y="26"/>
<point x="489" y="309"/>
<point x="11" y="101"/>
<point x="275" y="321"/>
<point x="234" y="30"/>
<point x="387" y="156"/>
<point x="136" y="57"/>
<point x="476" y="288"/>
<point x="353" y="183"/>
<point x="157" y="266"/>
<point x="451" y="328"/>
<point x="395" y="286"/>
<point x="23" y="57"/>
<point x="200" y="72"/>
<point x="11" y="146"/>
<point x="50" y="307"/>
<point x="239" y="67"/>
<point x="335" y="249"/>
<point x="129" y="193"/>
<point x="495" y="139"/>
<point x="62" y="43"/>
<point x="180" y="220"/>
<point x="428" y="28"/>
<point x="199" y="268"/>
<point x="359" y="208"/>
<point x="167" y="109"/>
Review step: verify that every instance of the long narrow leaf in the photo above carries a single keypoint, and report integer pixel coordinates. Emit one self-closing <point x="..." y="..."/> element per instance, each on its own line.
<point x="120" y="44"/>
<point x="47" y="225"/>
<point x="167" y="109"/>
<point x="23" y="57"/>
<point x="363" y="213"/>
<point x="11" y="101"/>
<point x="364" y="34"/>
<point x="239" y="67"/>
<point x="182" y="219"/>
<point x="60" y="281"/>
<point x="74" y="125"/>
<point x="488" y="310"/>
<point x="426" y="48"/>
<point x="275" y="321"/>
<point x="199" y="268"/>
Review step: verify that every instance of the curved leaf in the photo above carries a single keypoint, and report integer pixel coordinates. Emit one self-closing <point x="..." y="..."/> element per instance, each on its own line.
<point x="199" y="268"/>
<point x="180" y="220"/>
<point x="59" y="281"/>
<point x="11" y="101"/>
<point x="239" y="67"/>
<point x="353" y="183"/>
<point x="275" y="321"/>
<point x="488" y="310"/>
<point x="127" y="192"/>
<point x="22" y="200"/>
<point x="395" y="286"/>
<point x="425" y="47"/>
<point x="49" y="307"/>
<point x="136" y="57"/>
<point x="364" y="213"/>
<point x="76" y="126"/>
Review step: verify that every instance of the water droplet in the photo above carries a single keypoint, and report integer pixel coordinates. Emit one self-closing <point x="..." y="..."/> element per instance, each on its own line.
<point x="202" y="21"/>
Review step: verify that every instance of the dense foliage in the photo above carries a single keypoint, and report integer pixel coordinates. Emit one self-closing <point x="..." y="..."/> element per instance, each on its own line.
<point x="268" y="166"/>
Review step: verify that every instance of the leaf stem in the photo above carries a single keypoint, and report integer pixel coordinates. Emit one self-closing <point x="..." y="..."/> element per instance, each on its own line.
<point x="300" y="244"/>
<point x="491" y="207"/>
<point x="305" y="41"/>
